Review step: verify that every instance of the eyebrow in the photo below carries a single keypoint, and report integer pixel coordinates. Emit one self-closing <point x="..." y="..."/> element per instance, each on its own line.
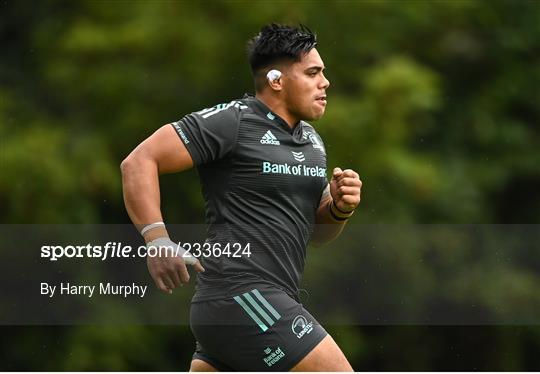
<point x="316" y="68"/>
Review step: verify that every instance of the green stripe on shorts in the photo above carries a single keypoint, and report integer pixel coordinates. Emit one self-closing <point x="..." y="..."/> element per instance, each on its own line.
<point x="258" y="308"/>
<point x="251" y="313"/>
<point x="266" y="304"/>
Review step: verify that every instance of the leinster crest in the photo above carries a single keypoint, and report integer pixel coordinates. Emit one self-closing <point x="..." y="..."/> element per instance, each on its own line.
<point x="317" y="144"/>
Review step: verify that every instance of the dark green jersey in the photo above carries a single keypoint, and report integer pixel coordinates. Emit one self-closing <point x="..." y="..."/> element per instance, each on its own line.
<point x="262" y="183"/>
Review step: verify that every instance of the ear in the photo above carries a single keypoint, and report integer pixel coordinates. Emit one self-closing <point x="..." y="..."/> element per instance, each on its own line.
<point x="274" y="79"/>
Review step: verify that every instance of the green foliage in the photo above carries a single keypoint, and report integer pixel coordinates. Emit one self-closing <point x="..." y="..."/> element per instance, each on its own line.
<point x="435" y="104"/>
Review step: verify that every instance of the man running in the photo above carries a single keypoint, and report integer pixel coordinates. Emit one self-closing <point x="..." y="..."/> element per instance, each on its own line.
<point x="263" y="175"/>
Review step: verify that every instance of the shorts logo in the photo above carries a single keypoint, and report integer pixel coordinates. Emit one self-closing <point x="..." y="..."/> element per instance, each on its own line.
<point x="258" y="308"/>
<point x="273" y="357"/>
<point x="300" y="326"/>
<point x="269" y="138"/>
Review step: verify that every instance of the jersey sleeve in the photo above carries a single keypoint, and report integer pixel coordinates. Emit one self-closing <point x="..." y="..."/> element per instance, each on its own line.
<point x="209" y="134"/>
<point x="318" y="144"/>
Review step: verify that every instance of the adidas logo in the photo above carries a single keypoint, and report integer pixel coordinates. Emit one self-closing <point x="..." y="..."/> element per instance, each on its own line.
<point x="299" y="156"/>
<point x="269" y="138"/>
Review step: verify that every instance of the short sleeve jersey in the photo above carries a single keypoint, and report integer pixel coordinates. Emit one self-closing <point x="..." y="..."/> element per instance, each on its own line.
<point x="262" y="183"/>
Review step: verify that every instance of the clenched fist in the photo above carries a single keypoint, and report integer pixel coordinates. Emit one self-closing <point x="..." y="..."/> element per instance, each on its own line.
<point x="345" y="188"/>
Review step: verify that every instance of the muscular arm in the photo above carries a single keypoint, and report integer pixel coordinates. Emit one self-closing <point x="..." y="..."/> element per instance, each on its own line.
<point x="163" y="152"/>
<point x="341" y="195"/>
<point x="327" y="228"/>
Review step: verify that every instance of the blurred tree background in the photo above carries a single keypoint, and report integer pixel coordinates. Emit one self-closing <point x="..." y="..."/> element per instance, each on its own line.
<point x="435" y="103"/>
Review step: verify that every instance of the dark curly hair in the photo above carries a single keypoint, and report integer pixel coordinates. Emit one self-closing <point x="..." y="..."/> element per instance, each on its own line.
<point x="277" y="43"/>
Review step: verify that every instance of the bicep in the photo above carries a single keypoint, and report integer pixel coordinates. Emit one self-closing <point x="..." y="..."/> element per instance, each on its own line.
<point x="166" y="150"/>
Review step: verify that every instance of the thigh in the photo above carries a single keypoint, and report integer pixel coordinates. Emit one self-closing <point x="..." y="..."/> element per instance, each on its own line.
<point x="205" y="361"/>
<point x="200" y="365"/>
<point x="326" y="356"/>
<point x="262" y="329"/>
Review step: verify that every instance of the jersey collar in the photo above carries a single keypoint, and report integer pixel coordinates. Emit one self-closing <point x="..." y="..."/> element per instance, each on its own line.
<point x="260" y="108"/>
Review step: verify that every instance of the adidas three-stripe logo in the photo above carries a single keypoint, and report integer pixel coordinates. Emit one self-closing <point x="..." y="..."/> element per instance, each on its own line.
<point x="269" y="138"/>
<point x="258" y="308"/>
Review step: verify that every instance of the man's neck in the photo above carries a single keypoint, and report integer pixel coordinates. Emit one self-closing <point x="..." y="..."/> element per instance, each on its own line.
<point x="278" y="107"/>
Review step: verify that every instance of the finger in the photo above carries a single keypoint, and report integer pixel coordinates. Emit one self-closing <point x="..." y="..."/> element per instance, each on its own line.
<point x="198" y="267"/>
<point x="168" y="281"/>
<point x="189" y="259"/>
<point x="179" y="275"/>
<point x="351" y="182"/>
<point x="183" y="273"/>
<point x="173" y="274"/>
<point x="347" y="190"/>
<point x="337" y="172"/>
<point x="162" y="287"/>
<point x="351" y="200"/>
<point x="350" y="173"/>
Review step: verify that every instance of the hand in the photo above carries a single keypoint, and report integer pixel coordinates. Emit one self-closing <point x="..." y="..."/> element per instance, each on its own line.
<point x="345" y="188"/>
<point x="168" y="266"/>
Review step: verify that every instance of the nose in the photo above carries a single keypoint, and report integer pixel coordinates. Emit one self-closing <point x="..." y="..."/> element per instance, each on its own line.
<point x="325" y="82"/>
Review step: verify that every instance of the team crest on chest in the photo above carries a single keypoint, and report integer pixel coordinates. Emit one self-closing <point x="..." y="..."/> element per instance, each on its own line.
<point x="315" y="141"/>
<point x="317" y="144"/>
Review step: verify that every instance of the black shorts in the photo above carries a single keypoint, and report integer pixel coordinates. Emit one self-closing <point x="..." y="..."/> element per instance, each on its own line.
<point x="263" y="329"/>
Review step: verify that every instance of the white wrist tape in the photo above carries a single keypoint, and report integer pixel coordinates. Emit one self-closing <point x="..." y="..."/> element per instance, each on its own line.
<point x="151" y="226"/>
<point x="165" y="245"/>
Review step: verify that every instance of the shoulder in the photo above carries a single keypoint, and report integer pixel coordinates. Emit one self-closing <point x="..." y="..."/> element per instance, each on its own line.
<point x="225" y="111"/>
<point x="210" y="134"/>
<point x="306" y="127"/>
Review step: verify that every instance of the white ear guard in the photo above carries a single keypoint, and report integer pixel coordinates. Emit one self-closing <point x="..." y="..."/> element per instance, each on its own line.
<point x="273" y="75"/>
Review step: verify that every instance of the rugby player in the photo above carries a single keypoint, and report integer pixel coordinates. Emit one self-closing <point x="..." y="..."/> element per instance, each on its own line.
<point x="263" y="174"/>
